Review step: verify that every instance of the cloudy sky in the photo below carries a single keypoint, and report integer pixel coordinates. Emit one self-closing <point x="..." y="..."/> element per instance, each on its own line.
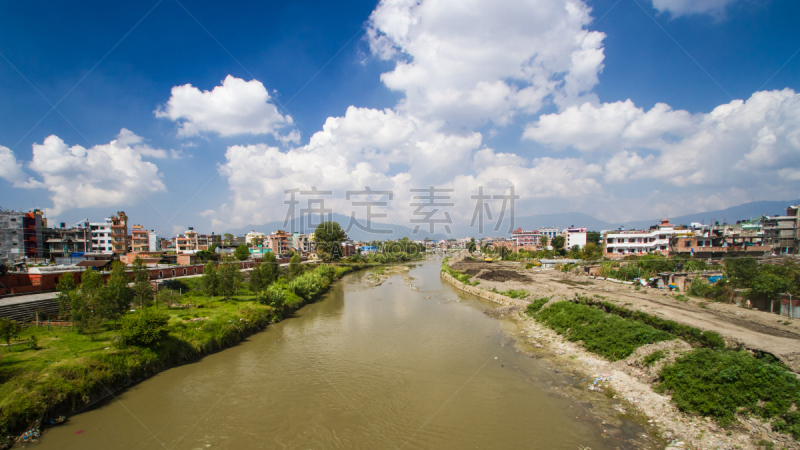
<point x="199" y="113"/>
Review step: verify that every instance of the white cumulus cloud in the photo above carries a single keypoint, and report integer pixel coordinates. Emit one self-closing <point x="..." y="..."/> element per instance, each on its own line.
<point x="466" y="62"/>
<point x="234" y="108"/>
<point x="102" y="175"/>
<point x="676" y="8"/>
<point x="740" y="141"/>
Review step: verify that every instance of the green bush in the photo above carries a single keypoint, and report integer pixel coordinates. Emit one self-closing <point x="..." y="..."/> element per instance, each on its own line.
<point x="699" y="287"/>
<point x="654" y="357"/>
<point x="721" y="384"/>
<point x="605" y="334"/>
<point x="515" y="294"/>
<point x="144" y="329"/>
<point x="537" y="304"/>
<point x="690" y="334"/>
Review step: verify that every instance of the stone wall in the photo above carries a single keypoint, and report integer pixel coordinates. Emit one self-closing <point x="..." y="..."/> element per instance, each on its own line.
<point x="484" y="294"/>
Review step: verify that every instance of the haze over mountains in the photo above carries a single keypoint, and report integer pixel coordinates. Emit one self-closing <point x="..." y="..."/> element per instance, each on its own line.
<point x="745" y="211"/>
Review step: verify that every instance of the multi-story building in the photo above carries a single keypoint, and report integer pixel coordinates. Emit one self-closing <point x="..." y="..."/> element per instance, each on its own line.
<point x="254" y="239"/>
<point x="192" y="242"/>
<point x="636" y="242"/>
<point x="550" y="232"/>
<point x="140" y="239"/>
<point x="278" y="242"/>
<point x="527" y="240"/>
<point x="782" y="231"/>
<point x="120" y="239"/>
<point x="111" y="236"/>
<point x="21" y="236"/>
<point x="143" y="240"/>
<point x="301" y="243"/>
<point x="574" y="236"/>
<point x="101" y="237"/>
<point x="66" y="242"/>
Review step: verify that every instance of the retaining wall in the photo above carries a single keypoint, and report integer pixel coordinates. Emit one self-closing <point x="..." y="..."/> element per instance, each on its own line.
<point x="484" y="294"/>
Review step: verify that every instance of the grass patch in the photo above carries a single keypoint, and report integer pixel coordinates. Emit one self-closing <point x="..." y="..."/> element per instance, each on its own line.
<point x="537" y="304"/>
<point x="521" y="293"/>
<point x="720" y="384"/>
<point x="710" y="339"/>
<point x="607" y="335"/>
<point x="654" y="357"/>
<point x="462" y="277"/>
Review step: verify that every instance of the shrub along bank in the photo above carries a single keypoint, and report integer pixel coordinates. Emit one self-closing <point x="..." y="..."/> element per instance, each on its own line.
<point x="70" y="368"/>
<point x="710" y="380"/>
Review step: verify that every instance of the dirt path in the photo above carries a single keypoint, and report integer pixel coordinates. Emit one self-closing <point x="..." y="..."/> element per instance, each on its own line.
<point x="755" y="330"/>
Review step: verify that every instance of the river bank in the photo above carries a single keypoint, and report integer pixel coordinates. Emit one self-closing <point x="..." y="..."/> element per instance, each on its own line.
<point x="366" y="367"/>
<point x="629" y="382"/>
<point x="68" y="372"/>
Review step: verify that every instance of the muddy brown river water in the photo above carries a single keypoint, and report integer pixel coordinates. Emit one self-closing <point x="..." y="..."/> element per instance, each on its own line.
<point x="365" y="368"/>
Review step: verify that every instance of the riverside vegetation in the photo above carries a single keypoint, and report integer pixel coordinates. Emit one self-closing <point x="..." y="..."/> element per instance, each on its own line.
<point x="711" y="380"/>
<point x="63" y="369"/>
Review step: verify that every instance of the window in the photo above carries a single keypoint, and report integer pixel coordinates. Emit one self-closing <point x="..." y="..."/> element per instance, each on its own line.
<point x="173" y="272"/>
<point x="687" y="243"/>
<point x="160" y="274"/>
<point x="195" y="270"/>
<point x="184" y="271"/>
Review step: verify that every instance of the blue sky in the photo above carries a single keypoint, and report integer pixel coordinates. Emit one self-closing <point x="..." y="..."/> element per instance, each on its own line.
<point x="114" y="65"/>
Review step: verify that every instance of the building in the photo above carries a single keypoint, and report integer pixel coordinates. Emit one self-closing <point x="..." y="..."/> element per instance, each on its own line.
<point x="278" y="242"/>
<point x="192" y="242"/>
<point x="574" y="236"/>
<point x="143" y="240"/>
<point x="140" y="241"/>
<point x="782" y="231"/>
<point x="254" y="239"/>
<point x="301" y="242"/>
<point x="635" y="242"/>
<point x="550" y="232"/>
<point x="68" y="245"/>
<point x="111" y="236"/>
<point x="21" y="236"/>
<point x="525" y="240"/>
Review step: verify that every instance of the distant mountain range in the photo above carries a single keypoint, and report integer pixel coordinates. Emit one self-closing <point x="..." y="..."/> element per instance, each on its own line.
<point x="747" y="211"/>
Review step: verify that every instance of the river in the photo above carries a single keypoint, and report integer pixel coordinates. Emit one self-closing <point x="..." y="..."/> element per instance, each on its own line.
<point x="365" y="368"/>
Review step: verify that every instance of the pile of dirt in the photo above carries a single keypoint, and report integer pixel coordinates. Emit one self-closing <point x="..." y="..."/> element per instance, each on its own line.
<point x="503" y="275"/>
<point x="472" y="271"/>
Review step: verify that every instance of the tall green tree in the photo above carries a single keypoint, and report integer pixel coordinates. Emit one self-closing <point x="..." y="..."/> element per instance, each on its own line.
<point x="558" y="242"/>
<point x="227" y="239"/>
<point x="8" y="330"/>
<point x="117" y="295"/>
<point x="142" y="289"/>
<point x="471" y="246"/>
<point x="295" y="266"/>
<point x="594" y="237"/>
<point x="241" y="253"/>
<point x="328" y="238"/>
<point x="230" y="278"/>
<point x="769" y="287"/>
<point x="741" y="271"/>
<point x="65" y="287"/>
<point x="87" y="305"/>
<point x="209" y="282"/>
<point x="591" y="252"/>
<point x="543" y="240"/>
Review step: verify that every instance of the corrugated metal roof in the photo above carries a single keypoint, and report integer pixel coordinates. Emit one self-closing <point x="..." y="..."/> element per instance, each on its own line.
<point x="93" y="263"/>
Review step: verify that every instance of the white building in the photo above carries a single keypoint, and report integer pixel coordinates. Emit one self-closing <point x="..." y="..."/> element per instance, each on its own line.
<point x="635" y="242"/>
<point x="253" y="235"/>
<point x="550" y="232"/>
<point x="153" y="241"/>
<point x="101" y="237"/>
<point x="574" y="236"/>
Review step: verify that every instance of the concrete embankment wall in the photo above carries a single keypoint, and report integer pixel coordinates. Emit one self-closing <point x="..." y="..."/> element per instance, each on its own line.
<point x="484" y="294"/>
